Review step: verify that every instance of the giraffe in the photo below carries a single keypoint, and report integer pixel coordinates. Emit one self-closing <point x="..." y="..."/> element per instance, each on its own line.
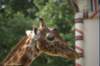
<point x="39" y="40"/>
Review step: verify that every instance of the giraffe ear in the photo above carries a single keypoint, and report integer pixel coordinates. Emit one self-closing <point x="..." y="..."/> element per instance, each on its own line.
<point x="56" y="33"/>
<point x="55" y="30"/>
<point x="30" y="33"/>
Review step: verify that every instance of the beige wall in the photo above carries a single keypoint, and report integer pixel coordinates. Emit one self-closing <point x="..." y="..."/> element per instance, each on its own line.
<point x="91" y="42"/>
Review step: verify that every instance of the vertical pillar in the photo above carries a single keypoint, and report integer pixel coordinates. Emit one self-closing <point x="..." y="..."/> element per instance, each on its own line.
<point x="79" y="39"/>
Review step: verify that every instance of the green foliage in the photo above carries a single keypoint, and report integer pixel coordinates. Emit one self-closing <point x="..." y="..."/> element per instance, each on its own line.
<point x="11" y="30"/>
<point x="40" y="3"/>
<point x="18" y="15"/>
<point x="56" y="13"/>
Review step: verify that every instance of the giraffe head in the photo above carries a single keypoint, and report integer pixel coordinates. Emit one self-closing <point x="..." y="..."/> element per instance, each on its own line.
<point x="50" y="42"/>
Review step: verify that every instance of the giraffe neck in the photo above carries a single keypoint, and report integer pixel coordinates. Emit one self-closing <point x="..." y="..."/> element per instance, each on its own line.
<point x="23" y="54"/>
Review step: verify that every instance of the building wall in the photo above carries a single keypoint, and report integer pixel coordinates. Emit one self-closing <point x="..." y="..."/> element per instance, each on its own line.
<point x="91" y="42"/>
<point x="91" y="37"/>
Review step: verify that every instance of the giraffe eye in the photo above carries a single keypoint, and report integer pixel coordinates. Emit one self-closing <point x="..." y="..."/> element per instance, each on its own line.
<point x="50" y="37"/>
